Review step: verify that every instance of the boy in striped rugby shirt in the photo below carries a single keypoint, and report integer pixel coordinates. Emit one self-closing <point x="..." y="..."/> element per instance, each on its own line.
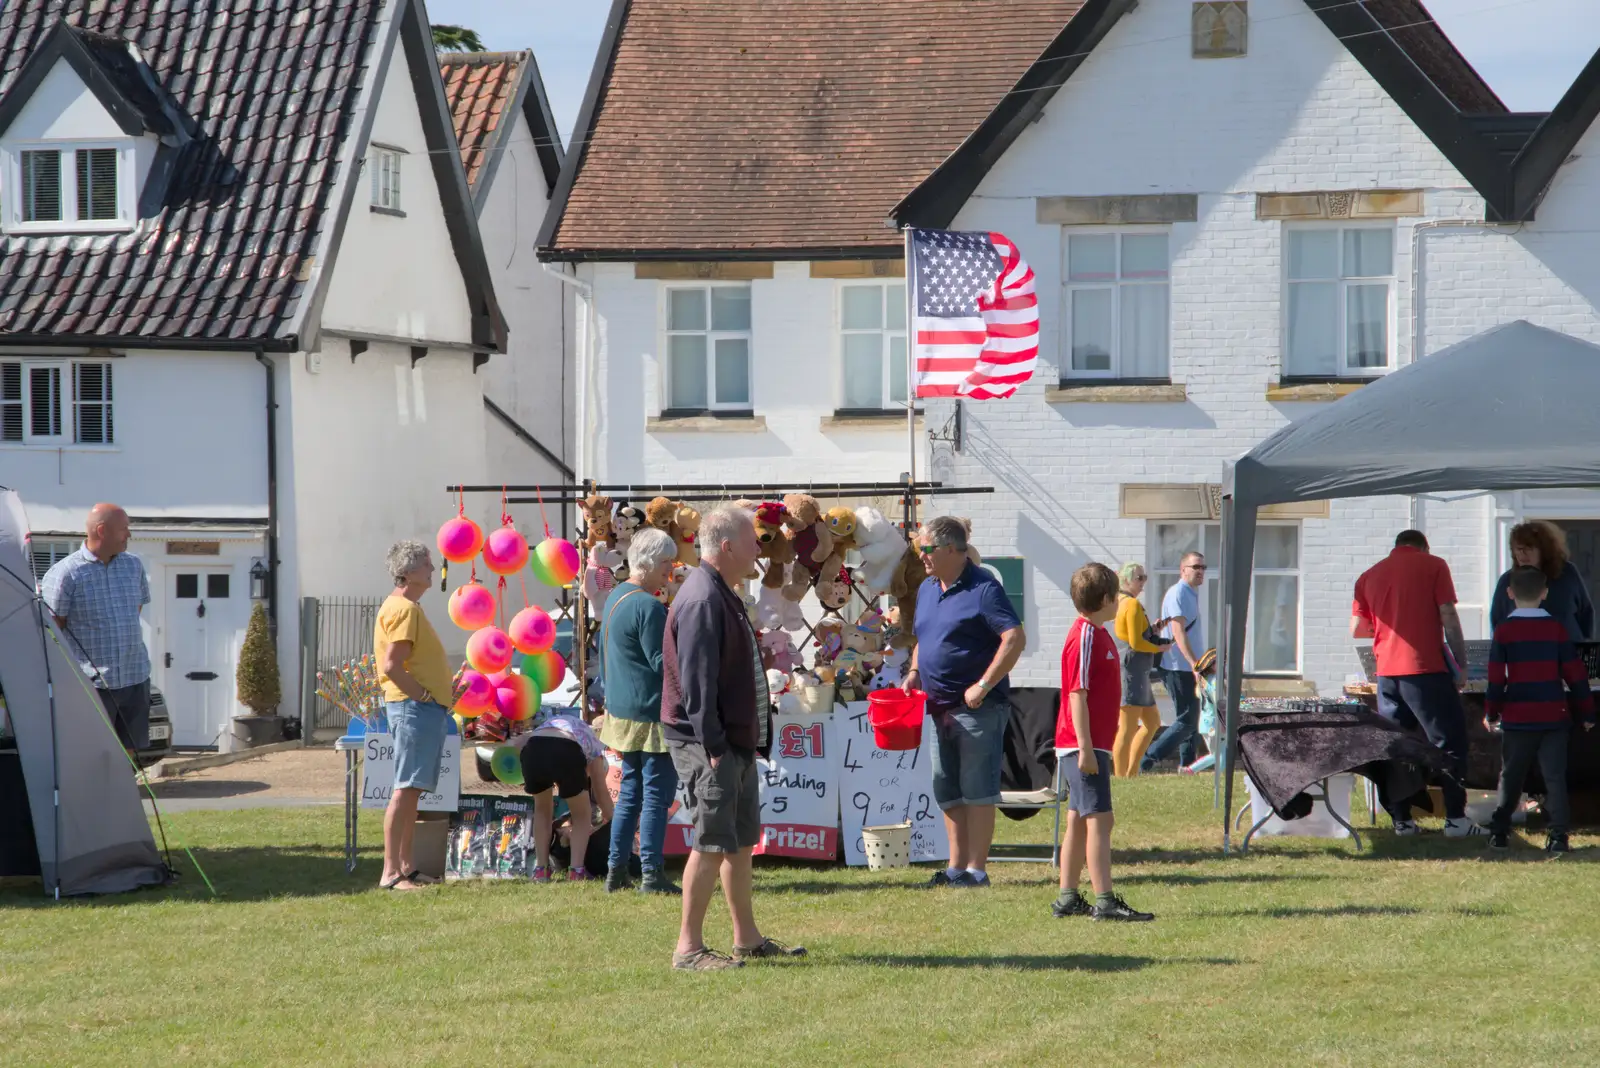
<point x="1532" y="666"/>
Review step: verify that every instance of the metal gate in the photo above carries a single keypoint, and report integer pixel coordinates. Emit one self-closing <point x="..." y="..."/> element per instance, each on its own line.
<point x="332" y="630"/>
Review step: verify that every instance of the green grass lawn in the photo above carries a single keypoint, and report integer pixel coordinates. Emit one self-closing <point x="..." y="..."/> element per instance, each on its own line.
<point x="1416" y="952"/>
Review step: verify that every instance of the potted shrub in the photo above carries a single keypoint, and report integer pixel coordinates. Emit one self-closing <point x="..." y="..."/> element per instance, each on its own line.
<point x="257" y="684"/>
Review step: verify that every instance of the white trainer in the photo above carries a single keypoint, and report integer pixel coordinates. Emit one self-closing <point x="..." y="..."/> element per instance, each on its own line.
<point x="1406" y="828"/>
<point x="1462" y="828"/>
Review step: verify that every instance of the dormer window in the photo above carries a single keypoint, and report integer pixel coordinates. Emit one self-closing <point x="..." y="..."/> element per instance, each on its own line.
<point x="383" y="161"/>
<point x="70" y="188"/>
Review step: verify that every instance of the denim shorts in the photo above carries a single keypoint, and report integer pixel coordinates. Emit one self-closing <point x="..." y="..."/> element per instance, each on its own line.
<point x="419" y="731"/>
<point x="970" y="746"/>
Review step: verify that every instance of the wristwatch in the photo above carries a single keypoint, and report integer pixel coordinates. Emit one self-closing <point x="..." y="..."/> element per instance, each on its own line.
<point x="987" y="686"/>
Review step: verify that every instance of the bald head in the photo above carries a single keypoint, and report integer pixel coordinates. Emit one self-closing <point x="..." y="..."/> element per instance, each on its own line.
<point x="106" y="531"/>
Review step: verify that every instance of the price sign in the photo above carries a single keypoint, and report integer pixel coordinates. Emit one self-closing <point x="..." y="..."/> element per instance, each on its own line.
<point x="878" y="787"/>
<point x="377" y="775"/>
<point x="800" y="789"/>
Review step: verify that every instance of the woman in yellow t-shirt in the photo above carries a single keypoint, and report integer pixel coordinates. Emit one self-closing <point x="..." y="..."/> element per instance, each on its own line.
<point x="1139" y="644"/>
<point x="418" y="689"/>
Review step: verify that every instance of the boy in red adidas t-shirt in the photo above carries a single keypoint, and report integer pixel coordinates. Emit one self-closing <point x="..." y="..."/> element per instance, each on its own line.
<point x="1091" y="696"/>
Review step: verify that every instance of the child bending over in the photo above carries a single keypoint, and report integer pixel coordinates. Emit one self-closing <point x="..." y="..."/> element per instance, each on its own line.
<point x="563" y="754"/>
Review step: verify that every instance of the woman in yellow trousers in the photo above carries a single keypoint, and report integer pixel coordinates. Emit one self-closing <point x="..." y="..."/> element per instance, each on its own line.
<point x="1139" y="645"/>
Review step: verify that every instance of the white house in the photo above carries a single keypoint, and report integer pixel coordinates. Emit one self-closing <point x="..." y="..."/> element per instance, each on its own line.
<point x="1234" y="211"/>
<point x="512" y="154"/>
<point x="242" y="294"/>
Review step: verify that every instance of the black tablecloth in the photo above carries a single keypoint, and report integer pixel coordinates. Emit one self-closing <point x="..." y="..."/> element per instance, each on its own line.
<point x="19" y="853"/>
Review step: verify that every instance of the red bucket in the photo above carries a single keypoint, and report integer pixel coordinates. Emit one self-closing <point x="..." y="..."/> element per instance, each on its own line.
<point x="896" y="717"/>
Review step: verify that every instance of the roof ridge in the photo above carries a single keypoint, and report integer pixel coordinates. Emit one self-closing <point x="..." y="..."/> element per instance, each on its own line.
<point x="482" y="59"/>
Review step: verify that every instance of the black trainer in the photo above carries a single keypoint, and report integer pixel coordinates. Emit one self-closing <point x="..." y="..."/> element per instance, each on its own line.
<point x="1556" y="845"/>
<point x="1499" y="840"/>
<point x="1121" y="911"/>
<point x="1078" y="906"/>
<point x="943" y="878"/>
<point x="655" y="881"/>
<point x="617" y="879"/>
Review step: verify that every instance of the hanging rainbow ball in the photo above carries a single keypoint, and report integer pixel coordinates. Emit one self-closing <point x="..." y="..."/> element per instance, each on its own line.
<point x="489" y="650"/>
<point x="506" y="765"/>
<point x="477" y="695"/>
<point x="460" y="539"/>
<point x="471" y="606"/>
<point x="532" y="630"/>
<point x="517" y="698"/>
<point x="546" y="669"/>
<point x="505" y="552"/>
<point x="555" y="562"/>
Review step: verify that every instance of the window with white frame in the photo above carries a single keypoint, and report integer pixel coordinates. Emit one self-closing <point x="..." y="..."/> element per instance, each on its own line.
<point x="708" y="348"/>
<point x="46" y="554"/>
<point x="1117" y="301"/>
<point x="1340" y="306"/>
<point x="77" y="187"/>
<point x="384" y="162"/>
<point x="56" y="402"/>
<point x="1272" y="636"/>
<point x="872" y="346"/>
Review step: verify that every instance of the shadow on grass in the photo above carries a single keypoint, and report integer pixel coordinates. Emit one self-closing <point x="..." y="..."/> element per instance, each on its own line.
<point x="195" y="789"/>
<point x="1295" y="912"/>
<point x="1068" y="962"/>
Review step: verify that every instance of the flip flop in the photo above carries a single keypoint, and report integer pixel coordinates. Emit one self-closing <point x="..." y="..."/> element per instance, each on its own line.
<point x="392" y="883"/>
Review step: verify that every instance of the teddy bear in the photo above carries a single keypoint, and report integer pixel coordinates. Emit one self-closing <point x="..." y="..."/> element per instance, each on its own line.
<point x="881" y="545"/>
<point x="810" y="538"/>
<point x="685" y="525"/>
<point x="669" y="589"/>
<point x="778" y="651"/>
<point x="624" y="524"/>
<point x="828" y="637"/>
<point x="599" y="577"/>
<point x="903" y="588"/>
<point x="660" y="513"/>
<point x="776" y="549"/>
<point x="863" y="646"/>
<point x="597" y="521"/>
<point x="774" y="611"/>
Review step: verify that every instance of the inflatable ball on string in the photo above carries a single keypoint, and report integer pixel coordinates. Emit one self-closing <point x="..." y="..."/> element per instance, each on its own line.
<point x="546" y="669"/>
<point x="517" y="698"/>
<point x="555" y="562"/>
<point x="505" y="552"/>
<point x="460" y="539"/>
<point x="532" y="630"/>
<point x="477" y="695"/>
<point x="506" y="765"/>
<point x="489" y="650"/>
<point x="471" y="606"/>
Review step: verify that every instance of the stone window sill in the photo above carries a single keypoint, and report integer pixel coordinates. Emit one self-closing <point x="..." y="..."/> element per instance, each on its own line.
<point x="1092" y="391"/>
<point x="706" y="423"/>
<point x="845" y="419"/>
<point x="1269" y="686"/>
<point x="1302" y="389"/>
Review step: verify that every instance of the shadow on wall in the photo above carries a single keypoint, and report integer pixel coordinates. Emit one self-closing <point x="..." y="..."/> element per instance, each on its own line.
<point x="698" y="445"/>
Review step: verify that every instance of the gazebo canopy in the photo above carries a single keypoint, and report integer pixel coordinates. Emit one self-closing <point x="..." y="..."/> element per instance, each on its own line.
<point x="1511" y="408"/>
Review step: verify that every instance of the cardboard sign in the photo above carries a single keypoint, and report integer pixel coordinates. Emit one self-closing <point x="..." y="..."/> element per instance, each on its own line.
<point x="800" y="789"/>
<point x="878" y="787"/>
<point x="377" y="775"/>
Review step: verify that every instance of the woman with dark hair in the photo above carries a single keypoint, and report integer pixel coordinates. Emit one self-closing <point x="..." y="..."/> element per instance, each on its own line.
<point x="1541" y="544"/>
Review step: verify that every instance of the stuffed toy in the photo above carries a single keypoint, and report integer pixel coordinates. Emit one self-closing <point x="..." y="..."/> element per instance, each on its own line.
<point x="660" y="513"/>
<point x="907" y="581"/>
<point x="777" y="684"/>
<point x="842" y="525"/>
<point x="776" y="549"/>
<point x="972" y="552"/>
<point x="627" y="520"/>
<point x="891" y="671"/>
<point x="749" y="606"/>
<point x="597" y="521"/>
<point x="599" y="578"/>
<point x="833" y="589"/>
<point x="881" y="545"/>
<point x="828" y="637"/>
<point x="774" y="611"/>
<point x="778" y="651"/>
<point x="669" y="589"/>
<point x="811" y="539"/>
<point x="685" y="525"/>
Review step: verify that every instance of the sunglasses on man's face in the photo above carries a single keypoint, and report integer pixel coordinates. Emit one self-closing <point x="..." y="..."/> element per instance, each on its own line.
<point x="927" y="550"/>
<point x="1195" y="567"/>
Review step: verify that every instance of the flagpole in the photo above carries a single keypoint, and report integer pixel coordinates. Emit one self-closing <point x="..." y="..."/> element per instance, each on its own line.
<point x="911" y="380"/>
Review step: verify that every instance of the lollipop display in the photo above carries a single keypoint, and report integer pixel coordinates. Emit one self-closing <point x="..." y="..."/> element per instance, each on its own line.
<point x="506" y="764"/>
<point x="555" y="562"/>
<point x="353" y="688"/>
<point x="546" y="669"/>
<point x="532" y="630"/>
<point x="517" y="698"/>
<point x="460" y="539"/>
<point x="505" y="551"/>
<point x="471" y="606"/>
<point x="489" y="650"/>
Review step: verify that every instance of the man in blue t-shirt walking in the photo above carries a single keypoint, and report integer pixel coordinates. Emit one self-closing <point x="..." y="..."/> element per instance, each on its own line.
<point x="1184" y="625"/>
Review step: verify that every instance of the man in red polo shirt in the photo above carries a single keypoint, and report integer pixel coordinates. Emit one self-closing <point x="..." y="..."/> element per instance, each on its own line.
<point x="1406" y="603"/>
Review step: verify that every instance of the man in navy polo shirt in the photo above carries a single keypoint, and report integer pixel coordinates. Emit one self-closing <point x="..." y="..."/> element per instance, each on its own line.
<point x="968" y="640"/>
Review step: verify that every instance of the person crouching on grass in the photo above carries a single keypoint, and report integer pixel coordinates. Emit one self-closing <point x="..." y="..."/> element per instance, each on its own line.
<point x="564" y="755"/>
<point x="1532" y="667"/>
<point x="1091" y="697"/>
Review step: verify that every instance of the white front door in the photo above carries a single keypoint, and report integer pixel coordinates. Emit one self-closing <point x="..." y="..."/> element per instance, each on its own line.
<point x="201" y="623"/>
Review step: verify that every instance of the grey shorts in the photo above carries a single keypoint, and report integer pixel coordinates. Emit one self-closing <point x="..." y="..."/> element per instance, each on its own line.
<point x="724" y="802"/>
<point x="1087" y="795"/>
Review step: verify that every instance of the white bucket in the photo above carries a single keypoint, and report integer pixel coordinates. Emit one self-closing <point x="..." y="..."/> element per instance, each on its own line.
<point x="816" y="700"/>
<point x="887" y="847"/>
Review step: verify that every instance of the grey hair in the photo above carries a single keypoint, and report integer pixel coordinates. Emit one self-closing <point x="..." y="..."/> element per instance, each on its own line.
<point x="946" y="530"/>
<point x="649" y="549"/>
<point x="403" y="557"/>
<point x="722" y="524"/>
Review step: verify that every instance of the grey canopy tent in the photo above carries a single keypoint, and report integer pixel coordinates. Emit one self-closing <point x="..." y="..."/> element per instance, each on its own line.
<point x="1511" y="408"/>
<point x="89" y="829"/>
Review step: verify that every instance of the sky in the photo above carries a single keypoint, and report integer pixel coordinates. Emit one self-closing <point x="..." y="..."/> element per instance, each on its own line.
<point x="1529" y="51"/>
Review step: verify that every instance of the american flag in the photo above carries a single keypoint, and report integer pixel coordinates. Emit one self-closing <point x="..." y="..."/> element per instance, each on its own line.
<point x="974" y="312"/>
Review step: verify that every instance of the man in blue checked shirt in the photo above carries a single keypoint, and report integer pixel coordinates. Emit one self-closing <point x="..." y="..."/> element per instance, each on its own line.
<point x="96" y="595"/>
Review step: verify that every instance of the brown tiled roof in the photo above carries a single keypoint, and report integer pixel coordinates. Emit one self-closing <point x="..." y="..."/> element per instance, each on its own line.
<point x="480" y="88"/>
<point x="785" y="125"/>
<point x="1412" y="26"/>
<point x="267" y="88"/>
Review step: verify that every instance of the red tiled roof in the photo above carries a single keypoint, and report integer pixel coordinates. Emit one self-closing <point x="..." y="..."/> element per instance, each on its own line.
<point x="479" y="87"/>
<point x="733" y="125"/>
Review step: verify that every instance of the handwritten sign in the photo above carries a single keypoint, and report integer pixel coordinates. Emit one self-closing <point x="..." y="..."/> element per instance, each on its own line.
<point x="377" y="775"/>
<point x="800" y="789"/>
<point x="879" y="787"/>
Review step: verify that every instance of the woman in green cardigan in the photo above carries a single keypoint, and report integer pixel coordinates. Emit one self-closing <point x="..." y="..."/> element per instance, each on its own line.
<point x="631" y="626"/>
